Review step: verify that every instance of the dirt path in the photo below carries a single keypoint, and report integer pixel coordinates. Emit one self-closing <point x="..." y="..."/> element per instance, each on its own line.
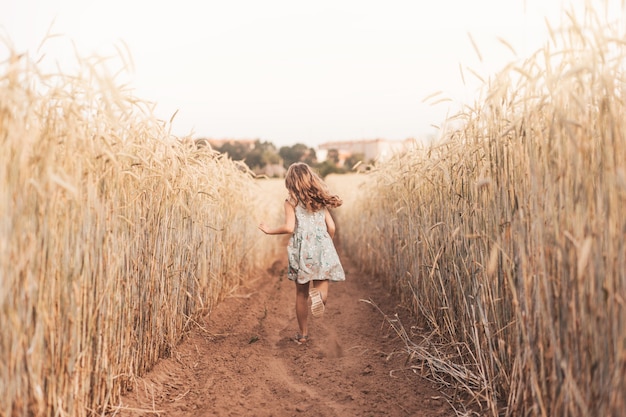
<point x="245" y="363"/>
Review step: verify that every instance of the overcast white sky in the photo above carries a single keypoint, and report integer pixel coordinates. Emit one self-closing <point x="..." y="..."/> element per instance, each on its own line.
<point x="290" y="71"/>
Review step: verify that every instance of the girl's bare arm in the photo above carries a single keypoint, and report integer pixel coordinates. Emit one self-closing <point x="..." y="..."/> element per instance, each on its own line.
<point x="285" y="228"/>
<point x="330" y="224"/>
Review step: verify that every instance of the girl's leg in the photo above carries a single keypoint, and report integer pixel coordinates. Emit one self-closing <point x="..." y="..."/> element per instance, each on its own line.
<point x="302" y="308"/>
<point x="323" y="287"/>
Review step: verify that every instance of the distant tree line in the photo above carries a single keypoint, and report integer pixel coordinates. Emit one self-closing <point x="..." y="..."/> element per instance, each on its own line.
<point x="260" y="154"/>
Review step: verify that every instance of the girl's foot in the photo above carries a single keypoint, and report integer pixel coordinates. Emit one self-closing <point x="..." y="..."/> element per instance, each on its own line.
<point x="300" y="339"/>
<point x="317" y="304"/>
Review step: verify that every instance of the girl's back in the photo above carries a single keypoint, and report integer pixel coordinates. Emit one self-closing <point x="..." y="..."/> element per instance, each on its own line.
<point x="310" y="223"/>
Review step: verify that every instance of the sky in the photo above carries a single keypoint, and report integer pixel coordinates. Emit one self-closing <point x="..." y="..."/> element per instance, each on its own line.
<point x="288" y="71"/>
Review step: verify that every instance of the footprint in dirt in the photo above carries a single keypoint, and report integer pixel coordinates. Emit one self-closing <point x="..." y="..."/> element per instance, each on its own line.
<point x="325" y="345"/>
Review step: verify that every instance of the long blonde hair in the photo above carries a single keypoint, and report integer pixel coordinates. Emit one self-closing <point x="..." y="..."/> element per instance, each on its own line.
<point x="308" y="188"/>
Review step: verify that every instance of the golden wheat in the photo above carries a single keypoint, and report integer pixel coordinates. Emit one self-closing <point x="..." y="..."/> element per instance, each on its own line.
<point x="114" y="238"/>
<point x="507" y="236"/>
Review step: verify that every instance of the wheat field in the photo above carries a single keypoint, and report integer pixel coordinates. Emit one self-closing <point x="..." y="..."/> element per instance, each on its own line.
<point x="506" y="237"/>
<point x="115" y="237"/>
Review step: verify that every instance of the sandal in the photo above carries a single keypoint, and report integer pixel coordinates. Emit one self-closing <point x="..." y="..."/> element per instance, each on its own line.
<point x="317" y="304"/>
<point x="300" y="339"/>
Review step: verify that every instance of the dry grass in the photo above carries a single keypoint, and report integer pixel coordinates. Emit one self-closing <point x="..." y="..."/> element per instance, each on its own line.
<point x="507" y="237"/>
<point x="114" y="238"/>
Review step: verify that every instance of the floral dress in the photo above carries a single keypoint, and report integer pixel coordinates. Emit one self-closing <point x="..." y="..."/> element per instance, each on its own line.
<point x="311" y="251"/>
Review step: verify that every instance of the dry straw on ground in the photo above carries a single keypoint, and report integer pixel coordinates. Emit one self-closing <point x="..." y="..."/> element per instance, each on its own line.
<point x="507" y="237"/>
<point x="114" y="237"/>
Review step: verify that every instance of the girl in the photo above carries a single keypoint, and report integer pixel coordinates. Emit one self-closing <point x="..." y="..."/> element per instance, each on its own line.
<point x="311" y="252"/>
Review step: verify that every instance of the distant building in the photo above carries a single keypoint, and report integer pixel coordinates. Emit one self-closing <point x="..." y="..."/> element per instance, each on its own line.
<point x="372" y="149"/>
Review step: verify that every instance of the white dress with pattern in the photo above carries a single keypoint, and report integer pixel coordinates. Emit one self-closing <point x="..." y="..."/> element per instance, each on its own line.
<point x="311" y="251"/>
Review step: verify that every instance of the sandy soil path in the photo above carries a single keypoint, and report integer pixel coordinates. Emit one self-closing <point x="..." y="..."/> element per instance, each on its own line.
<point x="242" y="361"/>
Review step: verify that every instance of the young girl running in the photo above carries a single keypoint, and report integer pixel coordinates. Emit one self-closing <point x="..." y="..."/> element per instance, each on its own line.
<point x="311" y="253"/>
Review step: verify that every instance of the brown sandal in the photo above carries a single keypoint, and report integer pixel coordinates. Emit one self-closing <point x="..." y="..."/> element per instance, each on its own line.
<point x="300" y="339"/>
